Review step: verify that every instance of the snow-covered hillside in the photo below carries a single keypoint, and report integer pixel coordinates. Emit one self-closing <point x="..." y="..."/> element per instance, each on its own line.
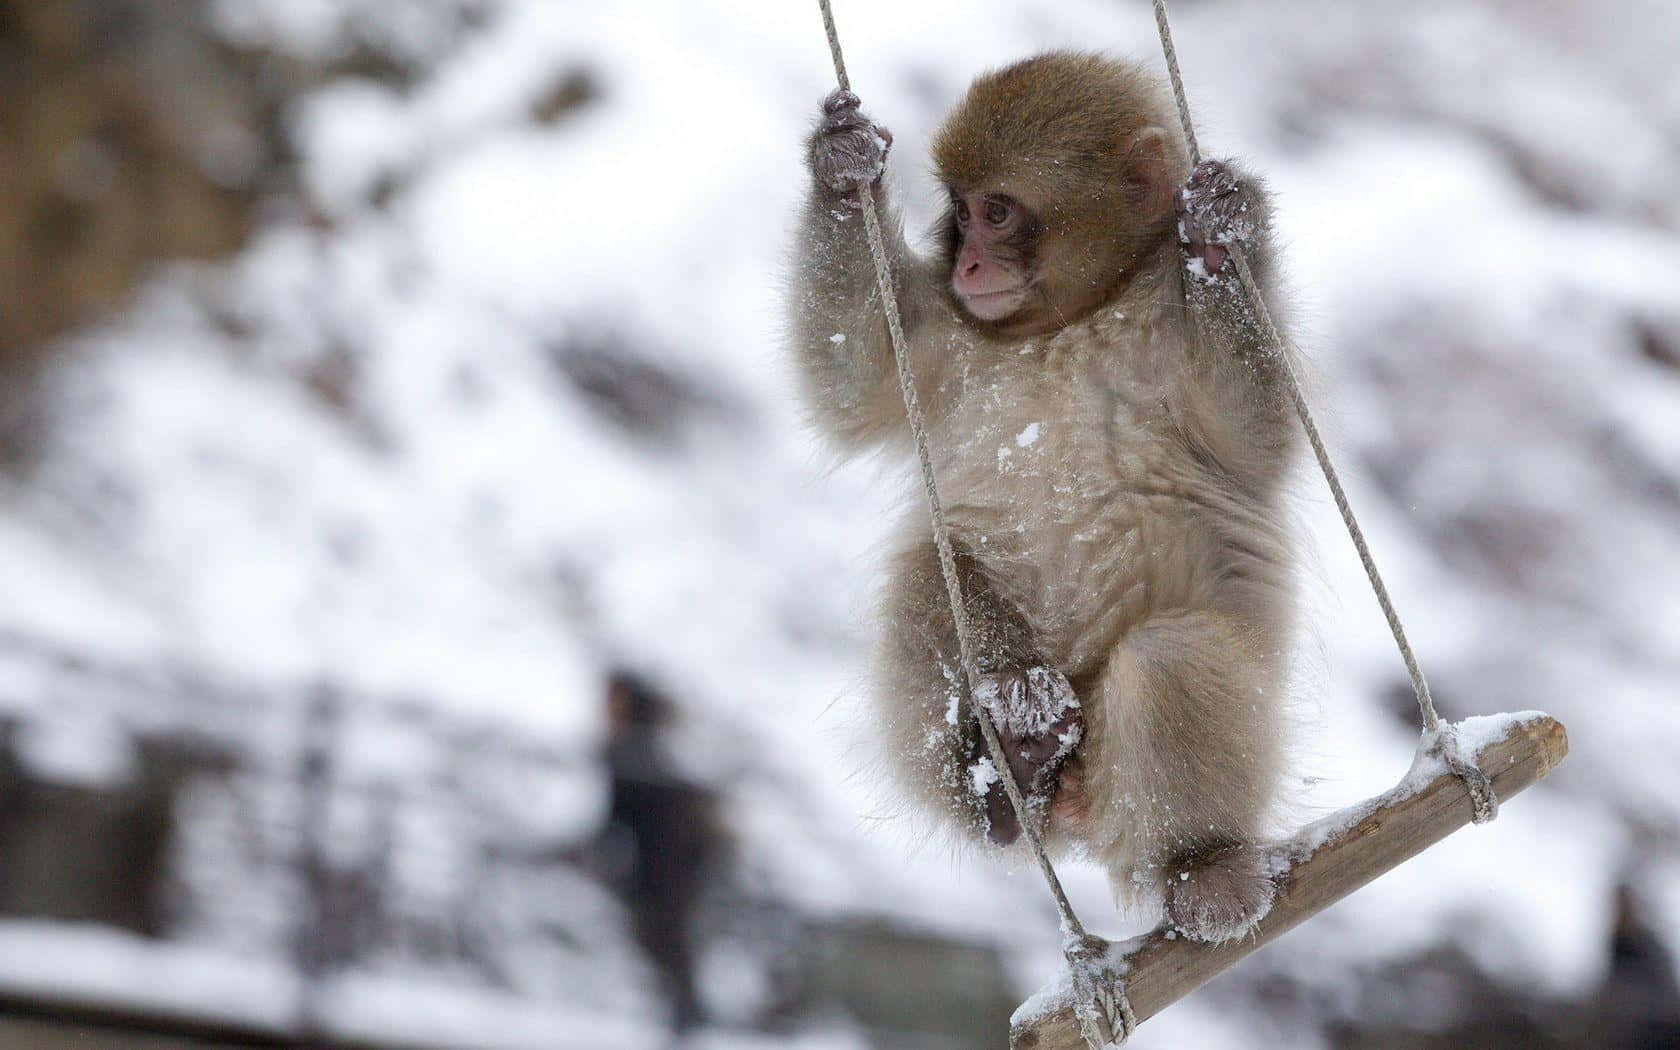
<point x="502" y="406"/>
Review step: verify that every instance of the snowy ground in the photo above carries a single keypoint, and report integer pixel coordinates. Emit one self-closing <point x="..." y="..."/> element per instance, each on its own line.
<point x="1478" y="209"/>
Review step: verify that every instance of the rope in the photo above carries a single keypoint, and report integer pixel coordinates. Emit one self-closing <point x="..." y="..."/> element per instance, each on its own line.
<point x="1171" y="54"/>
<point x="1481" y="791"/>
<point x="1103" y="1008"/>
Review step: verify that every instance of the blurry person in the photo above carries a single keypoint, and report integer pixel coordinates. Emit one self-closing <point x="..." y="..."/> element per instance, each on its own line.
<point x="660" y="839"/>
<point x="1638" y="1005"/>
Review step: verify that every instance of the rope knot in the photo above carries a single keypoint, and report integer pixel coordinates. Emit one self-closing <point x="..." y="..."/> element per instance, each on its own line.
<point x="1446" y="746"/>
<point x="1105" y="1014"/>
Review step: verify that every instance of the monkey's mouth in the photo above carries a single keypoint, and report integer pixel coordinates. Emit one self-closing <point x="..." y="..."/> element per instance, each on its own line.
<point x="994" y="306"/>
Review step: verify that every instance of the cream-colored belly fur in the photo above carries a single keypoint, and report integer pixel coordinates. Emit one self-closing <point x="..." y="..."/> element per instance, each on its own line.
<point x="1081" y="511"/>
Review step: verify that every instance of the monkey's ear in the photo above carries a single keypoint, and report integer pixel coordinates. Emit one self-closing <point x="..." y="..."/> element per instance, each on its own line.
<point x="1146" y="169"/>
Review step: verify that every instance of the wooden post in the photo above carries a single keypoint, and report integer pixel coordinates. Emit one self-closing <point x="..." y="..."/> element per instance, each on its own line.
<point x="1318" y="867"/>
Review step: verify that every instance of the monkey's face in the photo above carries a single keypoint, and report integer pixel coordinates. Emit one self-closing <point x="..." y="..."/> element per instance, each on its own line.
<point x="1030" y="258"/>
<point x="1022" y="270"/>
<point x="993" y="237"/>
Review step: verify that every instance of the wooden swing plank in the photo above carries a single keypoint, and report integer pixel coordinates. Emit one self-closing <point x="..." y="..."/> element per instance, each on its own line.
<point x="1318" y="867"/>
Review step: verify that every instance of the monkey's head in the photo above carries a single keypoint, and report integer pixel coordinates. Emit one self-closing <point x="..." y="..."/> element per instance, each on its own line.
<point x="1061" y="175"/>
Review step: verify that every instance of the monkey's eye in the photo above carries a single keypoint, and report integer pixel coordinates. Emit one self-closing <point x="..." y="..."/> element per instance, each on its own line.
<point x="998" y="210"/>
<point x="962" y="212"/>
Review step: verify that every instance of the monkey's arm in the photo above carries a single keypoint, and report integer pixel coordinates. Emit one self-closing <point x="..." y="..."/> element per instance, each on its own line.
<point x="1221" y="209"/>
<point x="840" y="334"/>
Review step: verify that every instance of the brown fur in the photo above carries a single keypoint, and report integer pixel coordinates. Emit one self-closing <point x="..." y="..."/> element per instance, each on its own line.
<point x="1113" y="480"/>
<point x="1074" y="137"/>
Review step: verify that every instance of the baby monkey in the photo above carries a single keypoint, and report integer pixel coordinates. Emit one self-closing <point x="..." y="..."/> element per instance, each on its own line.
<point x="1111" y="442"/>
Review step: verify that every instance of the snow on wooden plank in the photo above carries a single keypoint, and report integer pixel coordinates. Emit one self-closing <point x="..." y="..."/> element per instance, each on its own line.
<point x="1319" y="866"/>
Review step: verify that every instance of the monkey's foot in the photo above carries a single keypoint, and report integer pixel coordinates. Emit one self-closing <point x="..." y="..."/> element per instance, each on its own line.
<point x="1219" y="895"/>
<point x="848" y="150"/>
<point x="1039" y="724"/>
<point x="1213" y="215"/>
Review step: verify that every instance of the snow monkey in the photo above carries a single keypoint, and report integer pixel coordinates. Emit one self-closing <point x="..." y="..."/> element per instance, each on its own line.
<point x="1110" y="442"/>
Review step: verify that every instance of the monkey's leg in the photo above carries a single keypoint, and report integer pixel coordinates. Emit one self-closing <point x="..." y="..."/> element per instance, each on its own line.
<point x="1180" y="764"/>
<point x="931" y="728"/>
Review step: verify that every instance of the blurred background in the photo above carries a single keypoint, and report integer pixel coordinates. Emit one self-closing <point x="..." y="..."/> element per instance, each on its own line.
<point x="426" y="621"/>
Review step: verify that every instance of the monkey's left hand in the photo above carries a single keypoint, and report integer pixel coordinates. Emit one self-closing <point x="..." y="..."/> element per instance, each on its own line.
<point x="1213" y="215"/>
<point x="1039" y="724"/>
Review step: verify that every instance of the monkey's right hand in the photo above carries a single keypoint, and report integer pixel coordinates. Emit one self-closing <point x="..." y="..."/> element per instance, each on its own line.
<point x="848" y="149"/>
<point x="1040" y="724"/>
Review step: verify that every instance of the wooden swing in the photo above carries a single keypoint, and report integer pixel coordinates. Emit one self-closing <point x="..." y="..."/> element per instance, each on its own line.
<point x="1458" y="775"/>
